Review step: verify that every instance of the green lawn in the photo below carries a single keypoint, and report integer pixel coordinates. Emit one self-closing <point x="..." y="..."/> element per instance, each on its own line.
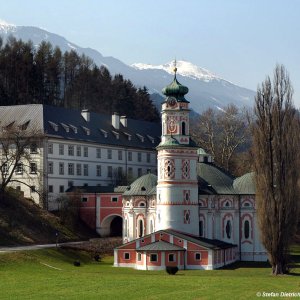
<point x="25" y="276"/>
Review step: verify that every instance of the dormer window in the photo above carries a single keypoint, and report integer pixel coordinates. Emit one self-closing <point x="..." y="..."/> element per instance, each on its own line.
<point x="150" y="138"/>
<point x="128" y="136"/>
<point x="116" y="134"/>
<point x="53" y="125"/>
<point x="74" y="128"/>
<point x="140" y="137"/>
<point x="86" y="130"/>
<point x="65" y="127"/>
<point x="104" y="132"/>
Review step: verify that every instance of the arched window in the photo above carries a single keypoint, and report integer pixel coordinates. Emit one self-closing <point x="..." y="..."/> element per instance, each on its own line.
<point x="126" y="228"/>
<point x="141" y="228"/>
<point x="246" y="229"/>
<point x="228" y="229"/>
<point x="201" y="229"/>
<point x="183" y="128"/>
<point x="151" y="226"/>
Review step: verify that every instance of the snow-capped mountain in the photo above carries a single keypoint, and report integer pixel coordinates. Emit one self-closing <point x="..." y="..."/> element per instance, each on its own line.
<point x="184" y="68"/>
<point x="205" y="88"/>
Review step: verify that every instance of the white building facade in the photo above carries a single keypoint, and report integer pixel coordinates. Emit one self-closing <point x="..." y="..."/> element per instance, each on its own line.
<point x="82" y="148"/>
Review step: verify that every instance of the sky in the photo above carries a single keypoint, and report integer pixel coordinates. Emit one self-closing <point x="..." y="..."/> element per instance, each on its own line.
<point x="240" y="41"/>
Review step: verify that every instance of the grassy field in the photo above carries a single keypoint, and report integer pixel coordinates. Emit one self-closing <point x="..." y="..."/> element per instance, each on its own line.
<point x="50" y="274"/>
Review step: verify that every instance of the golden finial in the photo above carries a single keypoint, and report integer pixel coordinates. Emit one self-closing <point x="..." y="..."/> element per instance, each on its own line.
<point x="175" y="68"/>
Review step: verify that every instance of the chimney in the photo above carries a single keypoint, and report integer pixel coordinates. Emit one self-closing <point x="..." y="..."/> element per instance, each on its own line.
<point x="86" y="114"/>
<point x="115" y="120"/>
<point x="124" y="121"/>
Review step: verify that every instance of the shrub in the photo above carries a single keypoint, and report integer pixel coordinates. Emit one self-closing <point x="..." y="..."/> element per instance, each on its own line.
<point x="76" y="263"/>
<point x="171" y="270"/>
<point x="97" y="257"/>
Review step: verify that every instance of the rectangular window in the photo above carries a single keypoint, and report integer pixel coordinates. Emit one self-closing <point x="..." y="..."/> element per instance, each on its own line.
<point x="129" y="156"/>
<point x="171" y="257"/>
<point x="78" y="150"/>
<point x="85" y="151"/>
<point x="33" y="168"/>
<point x="50" y="167"/>
<point x="130" y="173"/>
<point x="98" y="152"/>
<point x="120" y="172"/>
<point x="61" y="189"/>
<point x="19" y="168"/>
<point x="84" y="199"/>
<point x="98" y="170"/>
<point x="126" y="255"/>
<point x="50" y="188"/>
<point x="61" y="168"/>
<point x="139" y="258"/>
<point x="85" y="170"/>
<point x="139" y="172"/>
<point x="114" y="199"/>
<point x="197" y="256"/>
<point x="71" y="150"/>
<point x="109" y="154"/>
<point x="120" y="154"/>
<point x="70" y="183"/>
<point x="33" y="148"/>
<point x="153" y="257"/>
<point x="78" y="169"/>
<point x="50" y="148"/>
<point x="109" y="171"/>
<point x="70" y="169"/>
<point x="61" y="149"/>
<point x="4" y="168"/>
<point x="148" y="157"/>
<point x="139" y="157"/>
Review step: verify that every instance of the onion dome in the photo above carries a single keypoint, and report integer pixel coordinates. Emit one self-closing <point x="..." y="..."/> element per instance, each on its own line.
<point x="176" y="89"/>
<point x="245" y="184"/>
<point x="144" y="185"/>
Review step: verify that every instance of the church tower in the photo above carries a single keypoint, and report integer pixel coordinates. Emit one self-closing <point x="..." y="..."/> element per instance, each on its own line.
<point x="177" y="188"/>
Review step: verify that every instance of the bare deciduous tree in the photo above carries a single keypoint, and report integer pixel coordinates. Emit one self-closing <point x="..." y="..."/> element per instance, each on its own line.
<point x="17" y="145"/>
<point x="221" y="133"/>
<point x="276" y="155"/>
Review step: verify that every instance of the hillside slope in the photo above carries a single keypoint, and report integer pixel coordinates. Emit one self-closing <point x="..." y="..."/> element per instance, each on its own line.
<point x="22" y="223"/>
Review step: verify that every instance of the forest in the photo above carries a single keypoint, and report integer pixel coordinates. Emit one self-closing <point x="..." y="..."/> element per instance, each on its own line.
<point x="45" y="75"/>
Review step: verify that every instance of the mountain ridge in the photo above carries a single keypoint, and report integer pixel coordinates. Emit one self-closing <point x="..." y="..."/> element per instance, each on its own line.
<point x="205" y="88"/>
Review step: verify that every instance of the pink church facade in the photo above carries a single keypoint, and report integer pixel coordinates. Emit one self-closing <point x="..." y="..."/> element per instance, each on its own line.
<point x="192" y="215"/>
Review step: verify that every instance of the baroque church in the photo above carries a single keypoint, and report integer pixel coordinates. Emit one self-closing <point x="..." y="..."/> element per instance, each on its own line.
<point x="192" y="215"/>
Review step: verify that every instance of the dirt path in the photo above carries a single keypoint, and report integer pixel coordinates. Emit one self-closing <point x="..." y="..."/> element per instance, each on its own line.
<point x="36" y="247"/>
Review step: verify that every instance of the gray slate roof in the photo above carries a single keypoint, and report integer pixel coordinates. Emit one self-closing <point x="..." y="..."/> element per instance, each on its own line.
<point x="204" y="242"/>
<point x="44" y="116"/>
<point x="213" y="180"/>
<point x="245" y="184"/>
<point x="91" y="189"/>
<point x="160" y="246"/>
